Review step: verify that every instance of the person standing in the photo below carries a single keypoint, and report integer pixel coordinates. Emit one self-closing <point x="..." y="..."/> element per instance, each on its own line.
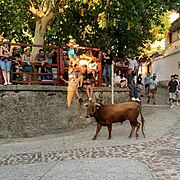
<point x="172" y="88"/>
<point x="6" y="61"/>
<point x="107" y="62"/>
<point x="140" y="84"/>
<point x="88" y="83"/>
<point x="133" y="64"/>
<point x="176" y="77"/>
<point x="146" y="81"/>
<point x="71" y="45"/>
<point x="152" y="89"/>
<point x="133" y="90"/>
<point x="72" y="82"/>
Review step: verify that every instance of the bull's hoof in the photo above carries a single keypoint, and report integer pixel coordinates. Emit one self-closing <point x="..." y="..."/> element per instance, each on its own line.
<point x="129" y="136"/>
<point x="137" y="136"/>
<point x="94" y="138"/>
<point x="109" y="138"/>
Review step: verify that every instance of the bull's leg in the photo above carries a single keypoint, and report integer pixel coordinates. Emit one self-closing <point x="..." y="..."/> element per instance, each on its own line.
<point x="97" y="131"/>
<point x="132" y="130"/>
<point x="109" y="130"/>
<point x="137" y="129"/>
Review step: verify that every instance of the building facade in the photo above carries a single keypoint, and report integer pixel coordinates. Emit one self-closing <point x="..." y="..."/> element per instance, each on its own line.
<point x="169" y="62"/>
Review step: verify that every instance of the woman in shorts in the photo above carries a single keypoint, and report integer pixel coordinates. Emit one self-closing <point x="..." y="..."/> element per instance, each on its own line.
<point x="6" y="61"/>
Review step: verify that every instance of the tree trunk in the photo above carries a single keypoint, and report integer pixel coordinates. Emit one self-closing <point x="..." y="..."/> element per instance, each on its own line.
<point x="41" y="24"/>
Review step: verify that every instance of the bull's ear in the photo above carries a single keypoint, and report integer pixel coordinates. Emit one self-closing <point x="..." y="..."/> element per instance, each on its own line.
<point x="85" y="104"/>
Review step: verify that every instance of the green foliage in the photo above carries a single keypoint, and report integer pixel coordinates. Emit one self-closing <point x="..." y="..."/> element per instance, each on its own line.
<point x="126" y="26"/>
<point x="15" y="17"/>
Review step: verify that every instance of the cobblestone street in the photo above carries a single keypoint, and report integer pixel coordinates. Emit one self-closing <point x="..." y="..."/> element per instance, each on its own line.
<point x="73" y="155"/>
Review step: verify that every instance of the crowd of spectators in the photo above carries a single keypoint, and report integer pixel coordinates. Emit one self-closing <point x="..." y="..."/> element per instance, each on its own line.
<point x="22" y="64"/>
<point x="83" y="65"/>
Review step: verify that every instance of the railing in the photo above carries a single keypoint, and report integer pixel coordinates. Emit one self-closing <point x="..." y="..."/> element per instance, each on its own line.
<point x="34" y="75"/>
<point x="60" y="68"/>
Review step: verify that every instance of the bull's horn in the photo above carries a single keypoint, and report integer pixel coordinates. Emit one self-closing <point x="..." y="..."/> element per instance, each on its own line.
<point x="85" y="104"/>
<point x="97" y="104"/>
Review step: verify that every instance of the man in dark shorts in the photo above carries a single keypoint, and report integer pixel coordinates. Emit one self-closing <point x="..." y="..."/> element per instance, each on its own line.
<point x="172" y="88"/>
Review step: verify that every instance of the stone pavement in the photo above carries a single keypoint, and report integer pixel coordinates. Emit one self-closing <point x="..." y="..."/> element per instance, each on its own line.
<point x="73" y="155"/>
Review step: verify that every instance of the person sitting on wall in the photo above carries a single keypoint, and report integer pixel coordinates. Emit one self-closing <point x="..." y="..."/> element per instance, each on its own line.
<point x="27" y="60"/>
<point x="16" y="64"/>
<point x="88" y="82"/>
<point x="52" y="59"/>
<point x="120" y="80"/>
<point x="41" y="59"/>
<point x="53" y="56"/>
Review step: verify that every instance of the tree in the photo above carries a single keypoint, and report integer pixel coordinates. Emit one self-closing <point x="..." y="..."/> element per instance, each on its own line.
<point x="124" y="25"/>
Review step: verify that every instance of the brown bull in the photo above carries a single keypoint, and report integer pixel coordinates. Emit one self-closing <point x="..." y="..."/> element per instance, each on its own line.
<point x="107" y="114"/>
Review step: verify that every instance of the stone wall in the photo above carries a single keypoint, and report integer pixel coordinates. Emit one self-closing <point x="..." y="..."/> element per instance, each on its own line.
<point x="29" y="111"/>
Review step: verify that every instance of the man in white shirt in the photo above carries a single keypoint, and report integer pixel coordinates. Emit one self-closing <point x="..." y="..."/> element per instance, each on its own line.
<point x="133" y="64"/>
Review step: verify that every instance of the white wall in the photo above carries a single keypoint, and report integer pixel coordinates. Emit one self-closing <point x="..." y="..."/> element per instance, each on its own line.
<point x="166" y="66"/>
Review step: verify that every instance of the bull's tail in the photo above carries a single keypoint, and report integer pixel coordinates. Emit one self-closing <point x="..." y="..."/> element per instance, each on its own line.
<point x="142" y="121"/>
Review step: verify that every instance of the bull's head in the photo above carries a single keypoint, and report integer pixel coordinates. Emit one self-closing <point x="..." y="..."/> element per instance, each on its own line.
<point x="91" y="108"/>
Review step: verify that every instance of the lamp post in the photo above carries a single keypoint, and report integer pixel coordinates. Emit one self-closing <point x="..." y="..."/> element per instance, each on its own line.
<point x="112" y="83"/>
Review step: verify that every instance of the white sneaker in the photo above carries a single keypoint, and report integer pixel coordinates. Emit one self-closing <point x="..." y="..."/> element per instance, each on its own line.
<point x="137" y="99"/>
<point x="9" y="83"/>
<point x="5" y="84"/>
<point x="172" y="106"/>
<point x="133" y="99"/>
<point x="90" y="99"/>
<point x="177" y="104"/>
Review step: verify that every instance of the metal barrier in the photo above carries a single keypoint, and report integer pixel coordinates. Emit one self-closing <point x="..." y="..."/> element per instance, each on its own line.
<point x="59" y="67"/>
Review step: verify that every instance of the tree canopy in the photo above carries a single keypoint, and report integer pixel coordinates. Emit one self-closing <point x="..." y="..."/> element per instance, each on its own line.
<point x="125" y="26"/>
